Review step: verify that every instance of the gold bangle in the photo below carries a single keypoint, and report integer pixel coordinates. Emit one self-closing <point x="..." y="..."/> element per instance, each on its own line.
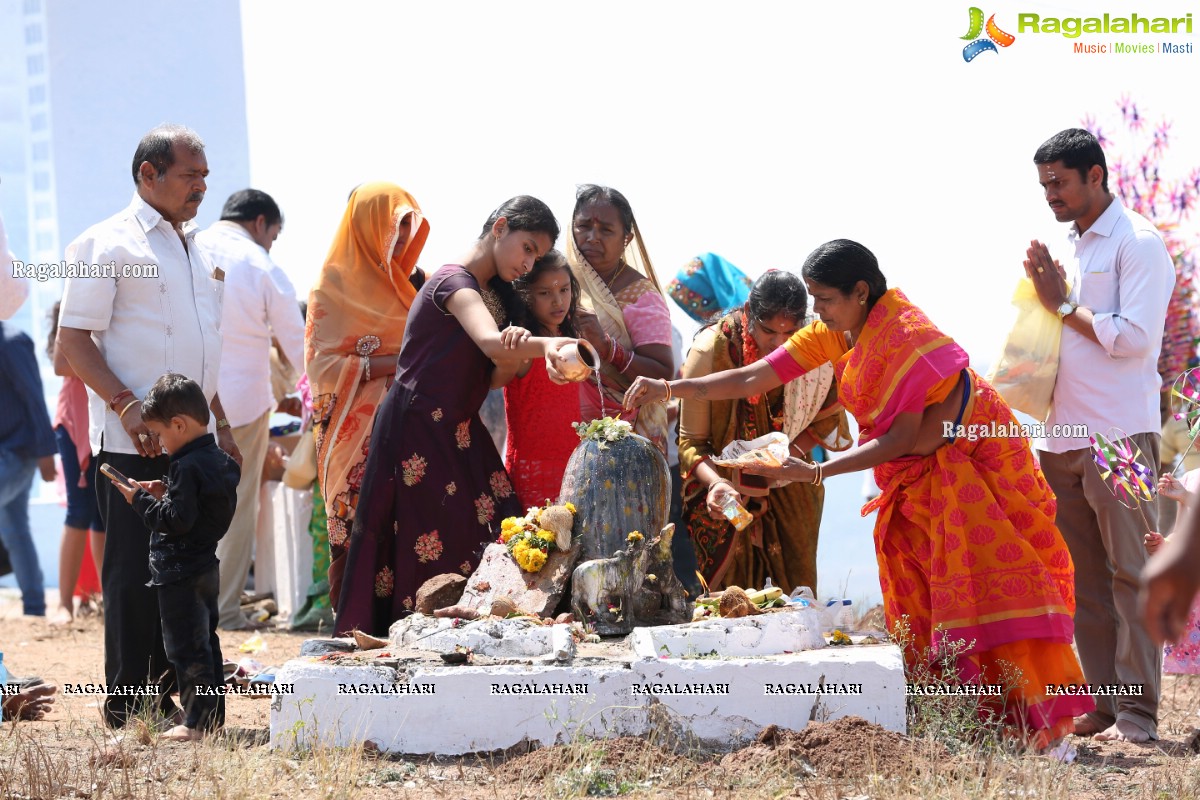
<point x="819" y="476"/>
<point x="128" y="406"/>
<point x="667" y="384"/>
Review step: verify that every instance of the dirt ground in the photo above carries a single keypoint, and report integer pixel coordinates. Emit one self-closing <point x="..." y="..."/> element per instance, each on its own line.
<point x="56" y="757"/>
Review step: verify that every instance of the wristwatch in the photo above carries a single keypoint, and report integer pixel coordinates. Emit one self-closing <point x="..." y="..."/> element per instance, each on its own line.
<point x="1066" y="309"/>
<point x="223" y="423"/>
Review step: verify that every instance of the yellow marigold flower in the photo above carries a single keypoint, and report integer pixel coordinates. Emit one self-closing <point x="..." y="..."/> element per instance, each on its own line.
<point x="547" y="536"/>
<point x="634" y="536"/>
<point x="507" y="533"/>
<point x="520" y="547"/>
<point x="571" y="507"/>
<point x="535" y="559"/>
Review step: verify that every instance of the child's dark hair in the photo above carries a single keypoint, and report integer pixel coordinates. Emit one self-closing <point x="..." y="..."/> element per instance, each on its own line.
<point x="523" y="286"/>
<point x="175" y="395"/>
<point x="778" y="292"/>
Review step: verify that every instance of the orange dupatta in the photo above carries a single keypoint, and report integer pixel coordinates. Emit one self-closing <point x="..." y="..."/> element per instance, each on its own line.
<point x="358" y="307"/>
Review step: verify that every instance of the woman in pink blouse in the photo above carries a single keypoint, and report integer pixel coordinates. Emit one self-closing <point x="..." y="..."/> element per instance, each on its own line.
<point x="622" y="310"/>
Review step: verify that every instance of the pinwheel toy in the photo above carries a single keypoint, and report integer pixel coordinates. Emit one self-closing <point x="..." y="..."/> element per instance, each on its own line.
<point x="1185" y="397"/>
<point x="1121" y="466"/>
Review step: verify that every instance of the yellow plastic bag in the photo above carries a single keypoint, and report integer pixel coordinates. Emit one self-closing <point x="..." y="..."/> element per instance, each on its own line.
<point x="1027" y="368"/>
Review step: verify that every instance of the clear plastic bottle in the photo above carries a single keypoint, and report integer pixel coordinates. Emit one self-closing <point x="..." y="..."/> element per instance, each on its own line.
<point x="838" y="614"/>
<point x="736" y="513"/>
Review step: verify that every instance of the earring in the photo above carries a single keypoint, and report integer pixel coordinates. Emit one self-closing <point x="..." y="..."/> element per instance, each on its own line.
<point x="862" y="302"/>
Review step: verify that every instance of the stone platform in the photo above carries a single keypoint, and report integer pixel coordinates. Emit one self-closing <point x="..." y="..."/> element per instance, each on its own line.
<point x="532" y="684"/>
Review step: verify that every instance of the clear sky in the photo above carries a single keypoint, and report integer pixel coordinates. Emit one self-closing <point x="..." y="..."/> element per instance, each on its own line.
<point x="756" y="130"/>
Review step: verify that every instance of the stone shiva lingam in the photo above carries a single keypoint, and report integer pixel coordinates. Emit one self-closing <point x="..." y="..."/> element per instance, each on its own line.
<point x="620" y="485"/>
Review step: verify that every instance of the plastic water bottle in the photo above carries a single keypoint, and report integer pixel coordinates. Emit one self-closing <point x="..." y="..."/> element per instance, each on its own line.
<point x="838" y="614"/>
<point x="736" y="513"/>
<point x="3" y="672"/>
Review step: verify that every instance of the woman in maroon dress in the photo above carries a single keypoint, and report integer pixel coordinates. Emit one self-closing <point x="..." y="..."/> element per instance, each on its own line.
<point x="434" y="489"/>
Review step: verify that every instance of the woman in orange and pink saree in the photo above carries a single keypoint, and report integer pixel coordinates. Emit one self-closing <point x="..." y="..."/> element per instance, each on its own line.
<point x="970" y="561"/>
<point x="356" y="318"/>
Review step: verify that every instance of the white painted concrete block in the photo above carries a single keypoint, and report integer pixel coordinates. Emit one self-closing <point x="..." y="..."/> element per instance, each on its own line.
<point x="785" y="690"/>
<point x="765" y="634"/>
<point x="498" y="638"/>
<point x="716" y="703"/>
<point x="459" y="709"/>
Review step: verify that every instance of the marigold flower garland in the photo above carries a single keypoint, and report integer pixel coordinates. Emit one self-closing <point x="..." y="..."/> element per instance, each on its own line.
<point x="532" y="538"/>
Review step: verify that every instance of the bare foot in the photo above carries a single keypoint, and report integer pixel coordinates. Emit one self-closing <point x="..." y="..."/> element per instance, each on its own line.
<point x="61" y="616"/>
<point x="1086" y="726"/>
<point x="31" y="703"/>
<point x="182" y="733"/>
<point x="1122" y="731"/>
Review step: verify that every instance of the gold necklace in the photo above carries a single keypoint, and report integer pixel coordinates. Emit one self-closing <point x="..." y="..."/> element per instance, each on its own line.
<point x="617" y="274"/>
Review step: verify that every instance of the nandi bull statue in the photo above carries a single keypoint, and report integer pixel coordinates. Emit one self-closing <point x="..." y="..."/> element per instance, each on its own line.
<point x="635" y="587"/>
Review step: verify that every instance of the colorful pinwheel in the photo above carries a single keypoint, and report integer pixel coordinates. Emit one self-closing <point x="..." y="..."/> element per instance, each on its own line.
<point x="1185" y="400"/>
<point x="1121" y="466"/>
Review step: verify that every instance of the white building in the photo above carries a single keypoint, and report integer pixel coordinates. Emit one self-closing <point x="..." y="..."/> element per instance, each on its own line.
<point x="80" y="82"/>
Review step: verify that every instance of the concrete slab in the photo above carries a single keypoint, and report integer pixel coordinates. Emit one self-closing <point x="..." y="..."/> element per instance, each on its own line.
<point x="713" y="703"/>
<point x="784" y="631"/>
<point x="498" y="638"/>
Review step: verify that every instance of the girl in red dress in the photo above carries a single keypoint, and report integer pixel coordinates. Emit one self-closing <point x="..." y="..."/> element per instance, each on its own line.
<point x="540" y="413"/>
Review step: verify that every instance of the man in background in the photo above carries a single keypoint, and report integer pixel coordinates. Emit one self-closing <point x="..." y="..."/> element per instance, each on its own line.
<point x="1113" y="315"/>
<point x="27" y="446"/>
<point x="260" y="305"/>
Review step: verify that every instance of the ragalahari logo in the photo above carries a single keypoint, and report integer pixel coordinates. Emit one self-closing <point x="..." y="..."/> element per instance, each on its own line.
<point x="995" y="36"/>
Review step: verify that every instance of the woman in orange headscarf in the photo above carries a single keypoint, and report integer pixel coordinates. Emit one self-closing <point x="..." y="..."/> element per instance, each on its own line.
<point x="356" y="316"/>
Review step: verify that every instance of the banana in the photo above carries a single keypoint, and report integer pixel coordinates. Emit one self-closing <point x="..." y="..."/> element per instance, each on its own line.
<point x="761" y="596"/>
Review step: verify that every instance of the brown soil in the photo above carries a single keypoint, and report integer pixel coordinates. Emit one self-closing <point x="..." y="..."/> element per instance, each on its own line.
<point x="846" y="747"/>
<point x="631" y="755"/>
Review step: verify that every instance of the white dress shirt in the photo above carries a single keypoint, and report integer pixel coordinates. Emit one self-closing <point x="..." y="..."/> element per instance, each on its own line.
<point x="260" y="302"/>
<point x="1124" y="275"/>
<point x="144" y="327"/>
<point x="13" y="290"/>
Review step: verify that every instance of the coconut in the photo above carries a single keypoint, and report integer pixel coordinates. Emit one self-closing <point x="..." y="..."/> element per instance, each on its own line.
<point x="559" y="520"/>
<point x="503" y="606"/>
<point x="736" y="603"/>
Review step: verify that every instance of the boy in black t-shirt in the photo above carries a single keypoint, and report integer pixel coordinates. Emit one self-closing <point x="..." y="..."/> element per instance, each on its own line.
<point x="187" y="516"/>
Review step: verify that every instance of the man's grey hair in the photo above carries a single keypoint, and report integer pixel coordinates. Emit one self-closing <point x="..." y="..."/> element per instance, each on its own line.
<point x="158" y="147"/>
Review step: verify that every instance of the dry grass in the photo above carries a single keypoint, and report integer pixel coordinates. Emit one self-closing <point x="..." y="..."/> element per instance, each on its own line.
<point x="57" y="757"/>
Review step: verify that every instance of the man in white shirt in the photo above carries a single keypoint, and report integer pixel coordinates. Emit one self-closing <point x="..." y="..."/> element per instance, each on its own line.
<point x="13" y="290"/>
<point x="1113" y="318"/>
<point x="260" y="303"/>
<point x="120" y="333"/>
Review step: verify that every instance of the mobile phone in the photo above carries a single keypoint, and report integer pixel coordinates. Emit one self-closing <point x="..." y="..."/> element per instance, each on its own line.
<point x="112" y="473"/>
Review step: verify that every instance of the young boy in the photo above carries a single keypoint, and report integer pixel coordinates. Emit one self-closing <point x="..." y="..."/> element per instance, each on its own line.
<point x="186" y="517"/>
